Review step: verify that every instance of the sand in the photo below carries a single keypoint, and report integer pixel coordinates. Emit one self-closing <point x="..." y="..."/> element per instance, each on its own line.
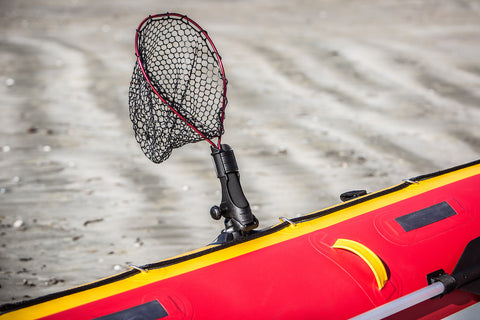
<point x="324" y="97"/>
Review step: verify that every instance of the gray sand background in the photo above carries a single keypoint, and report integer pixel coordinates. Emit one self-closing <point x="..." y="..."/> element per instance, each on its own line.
<point x="324" y="97"/>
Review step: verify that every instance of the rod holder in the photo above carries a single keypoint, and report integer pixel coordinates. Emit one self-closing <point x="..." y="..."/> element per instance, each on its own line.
<point x="234" y="207"/>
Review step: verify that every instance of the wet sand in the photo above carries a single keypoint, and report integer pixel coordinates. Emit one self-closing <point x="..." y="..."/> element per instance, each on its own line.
<point x="324" y="97"/>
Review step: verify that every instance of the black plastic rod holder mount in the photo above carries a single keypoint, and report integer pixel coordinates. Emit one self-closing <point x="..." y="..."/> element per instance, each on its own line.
<point x="234" y="207"/>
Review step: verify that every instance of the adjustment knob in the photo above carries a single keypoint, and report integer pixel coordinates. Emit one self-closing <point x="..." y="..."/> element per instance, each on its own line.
<point x="215" y="212"/>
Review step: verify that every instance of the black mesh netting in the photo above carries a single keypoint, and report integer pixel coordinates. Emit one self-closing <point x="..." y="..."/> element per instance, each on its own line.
<point x="184" y="69"/>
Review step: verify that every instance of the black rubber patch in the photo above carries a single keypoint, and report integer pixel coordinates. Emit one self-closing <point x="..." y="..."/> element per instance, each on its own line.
<point x="148" y="311"/>
<point x="424" y="217"/>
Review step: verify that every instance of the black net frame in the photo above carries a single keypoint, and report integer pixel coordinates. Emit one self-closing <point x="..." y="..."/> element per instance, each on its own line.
<point x="177" y="94"/>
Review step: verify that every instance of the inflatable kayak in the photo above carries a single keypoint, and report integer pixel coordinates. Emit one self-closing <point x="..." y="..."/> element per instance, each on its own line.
<point x="363" y="254"/>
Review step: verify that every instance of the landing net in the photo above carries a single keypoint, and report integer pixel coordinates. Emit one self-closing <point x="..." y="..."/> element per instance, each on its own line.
<point x="177" y="93"/>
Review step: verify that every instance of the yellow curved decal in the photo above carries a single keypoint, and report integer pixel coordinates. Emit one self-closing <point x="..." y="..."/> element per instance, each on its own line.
<point x="367" y="255"/>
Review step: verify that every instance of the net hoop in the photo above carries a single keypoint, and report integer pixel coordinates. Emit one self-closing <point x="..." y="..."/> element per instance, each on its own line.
<point x="220" y="65"/>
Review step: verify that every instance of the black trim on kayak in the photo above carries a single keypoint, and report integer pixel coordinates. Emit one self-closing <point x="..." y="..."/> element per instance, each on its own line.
<point x="9" y="307"/>
<point x="445" y="171"/>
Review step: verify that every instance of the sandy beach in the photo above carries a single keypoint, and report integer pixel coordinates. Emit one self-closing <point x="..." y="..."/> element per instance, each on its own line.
<point x="324" y="97"/>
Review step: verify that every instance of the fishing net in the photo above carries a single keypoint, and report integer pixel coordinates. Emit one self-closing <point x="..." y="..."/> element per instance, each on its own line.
<point x="177" y="93"/>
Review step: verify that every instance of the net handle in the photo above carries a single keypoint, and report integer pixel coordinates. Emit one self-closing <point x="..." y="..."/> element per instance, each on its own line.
<point x="219" y="59"/>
